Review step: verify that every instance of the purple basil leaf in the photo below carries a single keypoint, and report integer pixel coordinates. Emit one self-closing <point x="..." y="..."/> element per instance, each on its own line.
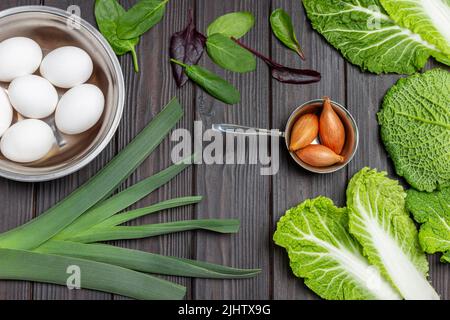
<point x="282" y="73"/>
<point x="186" y="46"/>
<point x="295" y="76"/>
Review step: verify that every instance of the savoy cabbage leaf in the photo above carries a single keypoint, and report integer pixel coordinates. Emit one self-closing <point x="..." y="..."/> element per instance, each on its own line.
<point x="429" y="18"/>
<point x="379" y="221"/>
<point x="368" y="37"/>
<point x="415" y="128"/>
<point x="432" y="210"/>
<point x="321" y="250"/>
<point x="446" y="257"/>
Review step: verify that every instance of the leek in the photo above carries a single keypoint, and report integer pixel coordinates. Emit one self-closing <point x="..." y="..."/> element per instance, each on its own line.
<point x="42" y="249"/>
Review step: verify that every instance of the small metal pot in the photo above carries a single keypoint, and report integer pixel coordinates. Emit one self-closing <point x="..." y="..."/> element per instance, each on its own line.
<point x="313" y="106"/>
<point x="53" y="28"/>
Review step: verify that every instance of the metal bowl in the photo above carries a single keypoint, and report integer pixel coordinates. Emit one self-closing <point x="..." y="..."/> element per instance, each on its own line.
<point x="53" y="28"/>
<point x="351" y="133"/>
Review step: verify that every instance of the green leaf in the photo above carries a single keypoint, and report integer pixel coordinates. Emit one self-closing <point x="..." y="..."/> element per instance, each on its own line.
<point x="32" y="266"/>
<point x="234" y="24"/>
<point x="212" y="83"/>
<point x="429" y="18"/>
<point x="134" y="214"/>
<point x="432" y="210"/>
<point x="415" y="129"/>
<point x="229" y="55"/>
<point x="107" y="14"/>
<point x="122" y="200"/>
<point x="322" y="251"/>
<point x="97" y="234"/>
<point x="283" y="29"/>
<point x="446" y="257"/>
<point x="145" y="262"/>
<point x="140" y="18"/>
<point x="379" y="221"/>
<point x="48" y="224"/>
<point x="366" y="36"/>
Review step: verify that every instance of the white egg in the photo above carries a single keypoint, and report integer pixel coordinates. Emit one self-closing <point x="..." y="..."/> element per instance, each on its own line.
<point x="67" y="67"/>
<point x="27" y="140"/>
<point x="79" y="109"/>
<point x="18" y="57"/>
<point x="33" y="96"/>
<point x="6" y="112"/>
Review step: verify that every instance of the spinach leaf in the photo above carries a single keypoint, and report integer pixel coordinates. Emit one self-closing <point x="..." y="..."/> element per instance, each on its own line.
<point x="283" y="29"/>
<point x="234" y="24"/>
<point x="211" y="83"/>
<point x="186" y="46"/>
<point x="107" y="14"/>
<point x="227" y="54"/>
<point x="140" y="18"/>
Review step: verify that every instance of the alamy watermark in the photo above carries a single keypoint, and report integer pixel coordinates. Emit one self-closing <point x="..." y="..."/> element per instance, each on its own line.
<point x="214" y="147"/>
<point x="74" y="21"/>
<point x="74" y="279"/>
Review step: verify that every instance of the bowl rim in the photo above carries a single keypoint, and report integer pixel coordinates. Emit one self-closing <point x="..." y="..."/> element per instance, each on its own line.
<point x="332" y="168"/>
<point x="94" y="152"/>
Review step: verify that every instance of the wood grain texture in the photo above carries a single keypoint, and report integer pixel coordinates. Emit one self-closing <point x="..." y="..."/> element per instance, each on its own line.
<point x="236" y="191"/>
<point x="293" y="185"/>
<point x="16" y="201"/>
<point x="147" y="92"/>
<point x="230" y="191"/>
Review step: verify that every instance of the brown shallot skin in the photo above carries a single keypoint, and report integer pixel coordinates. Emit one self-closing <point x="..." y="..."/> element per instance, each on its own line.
<point x="317" y="155"/>
<point x="304" y="131"/>
<point x="331" y="129"/>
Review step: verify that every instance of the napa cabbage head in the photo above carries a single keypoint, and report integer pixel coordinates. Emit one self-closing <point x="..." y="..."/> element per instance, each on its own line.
<point x="379" y="221"/>
<point x="322" y="251"/>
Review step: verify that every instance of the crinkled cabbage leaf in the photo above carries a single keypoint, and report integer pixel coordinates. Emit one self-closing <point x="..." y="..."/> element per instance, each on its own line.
<point x="415" y="129"/>
<point x="432" y="210"/>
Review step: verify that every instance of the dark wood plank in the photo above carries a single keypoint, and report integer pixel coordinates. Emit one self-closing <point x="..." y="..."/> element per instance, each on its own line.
<point x="293" y="185"/>
<point x="16" y="201"/>
<point x="236" y="190"/>
<point x="147" y="92"/>
<point x="48" y="193"/>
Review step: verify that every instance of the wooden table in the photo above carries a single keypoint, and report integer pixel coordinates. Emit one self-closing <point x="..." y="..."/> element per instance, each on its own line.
<point x="229" y="190"/>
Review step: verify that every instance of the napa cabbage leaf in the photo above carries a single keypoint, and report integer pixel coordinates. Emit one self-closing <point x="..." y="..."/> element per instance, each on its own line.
<point x="429" y="18"/>
<point x="415" y="128"/>
<point x="366" y="36"/>
<point x="379" y="221"/>
<point x="321" y="250"/>
<point x="432" y="210"/>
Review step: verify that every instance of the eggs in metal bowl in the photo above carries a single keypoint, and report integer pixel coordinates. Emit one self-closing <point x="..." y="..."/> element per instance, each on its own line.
<point x="59" y="36"/>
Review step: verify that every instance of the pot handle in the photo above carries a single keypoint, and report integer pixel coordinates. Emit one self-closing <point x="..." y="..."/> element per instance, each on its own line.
<point x="247" y="131"/>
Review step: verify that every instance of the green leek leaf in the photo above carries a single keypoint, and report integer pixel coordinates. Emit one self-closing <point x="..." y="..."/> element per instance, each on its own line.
<point x="151" y="230"/>
<point x="121" y="200"/>
<point x="32" y="266"/>
<point x="145" y="262"/>
<point x="134" y="214"/>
